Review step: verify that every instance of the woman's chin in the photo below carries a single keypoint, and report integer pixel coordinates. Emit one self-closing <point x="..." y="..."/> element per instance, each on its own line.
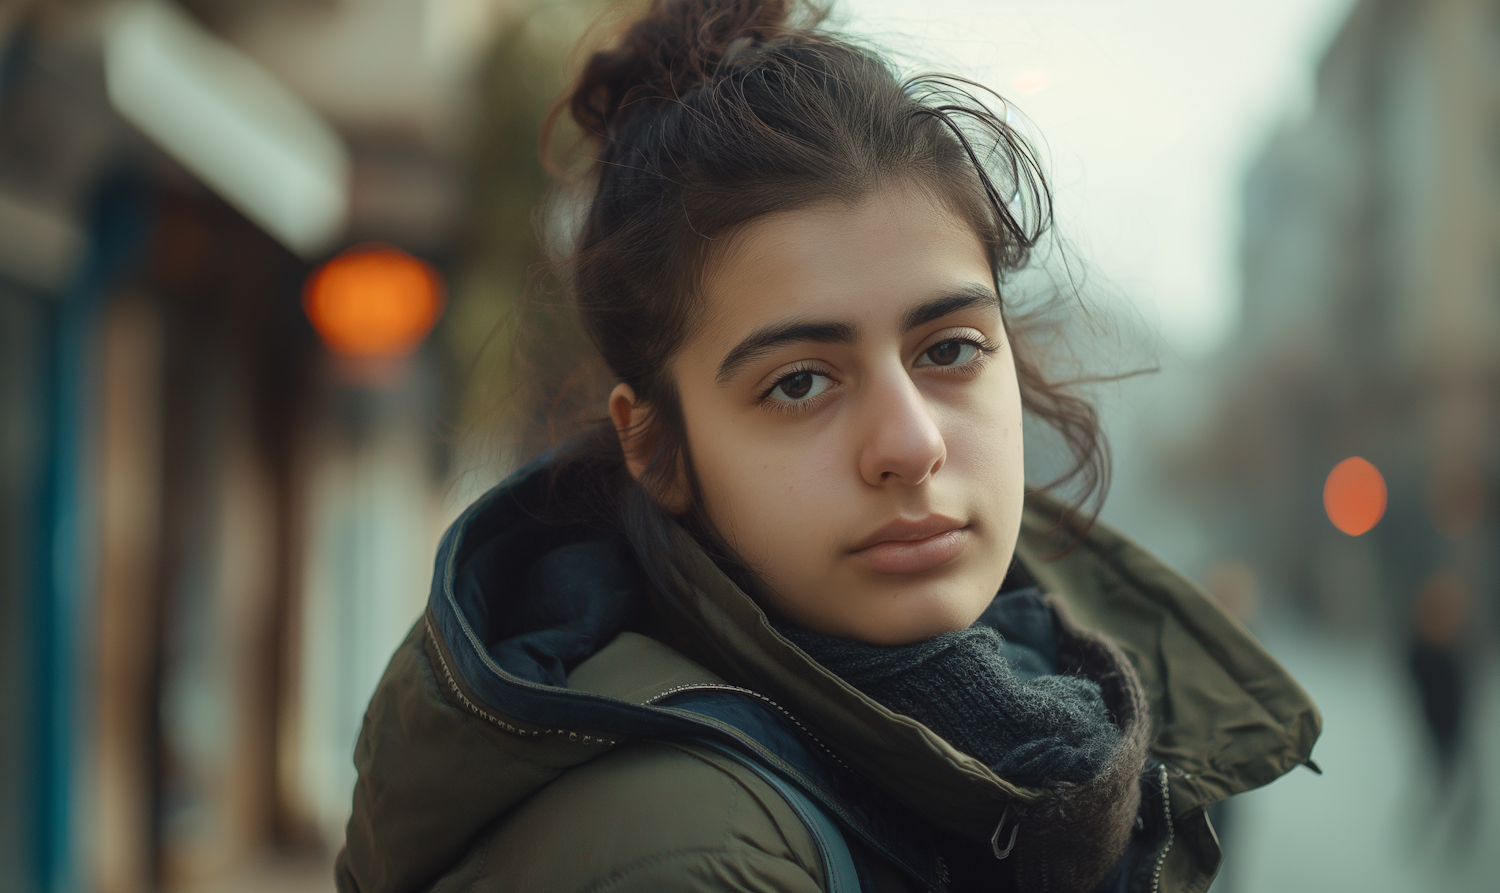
<point x="916" y="616"/>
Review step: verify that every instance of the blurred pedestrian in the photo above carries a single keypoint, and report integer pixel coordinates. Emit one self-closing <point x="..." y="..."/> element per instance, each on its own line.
<point x="1439" y="661"/>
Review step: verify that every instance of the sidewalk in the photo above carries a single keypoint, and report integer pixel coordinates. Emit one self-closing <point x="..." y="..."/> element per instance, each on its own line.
<point x="1366" y="824"/>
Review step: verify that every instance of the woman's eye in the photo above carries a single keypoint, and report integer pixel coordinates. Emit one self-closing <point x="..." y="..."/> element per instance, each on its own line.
<point x="799" y="386"/>
<point x="949" y="353"/>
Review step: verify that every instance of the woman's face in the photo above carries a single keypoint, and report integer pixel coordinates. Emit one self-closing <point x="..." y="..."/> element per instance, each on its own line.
<point x="854" y="419"/>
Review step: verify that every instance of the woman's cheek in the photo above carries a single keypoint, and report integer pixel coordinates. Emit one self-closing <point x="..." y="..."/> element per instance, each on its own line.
<point x="779" y="511"/>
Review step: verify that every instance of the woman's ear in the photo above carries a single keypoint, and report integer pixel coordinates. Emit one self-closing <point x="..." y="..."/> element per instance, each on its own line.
<point x="632" y="420"/>
<point x="630" y="425"/>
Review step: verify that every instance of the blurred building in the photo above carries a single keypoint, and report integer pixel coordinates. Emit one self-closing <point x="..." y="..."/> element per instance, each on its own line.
<point x="1371" y="322"/>
<point x="213" y="527"/>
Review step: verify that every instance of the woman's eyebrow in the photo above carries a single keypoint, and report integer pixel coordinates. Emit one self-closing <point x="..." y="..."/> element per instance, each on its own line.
<point x="970" y="296"/>
<point x="763" y="340"/>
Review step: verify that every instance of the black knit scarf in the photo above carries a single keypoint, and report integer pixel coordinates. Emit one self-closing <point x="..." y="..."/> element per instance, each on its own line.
<point x="993" y="696"/>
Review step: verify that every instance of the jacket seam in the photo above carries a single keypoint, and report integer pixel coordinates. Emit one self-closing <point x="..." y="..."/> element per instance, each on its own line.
<point x="501" y="724"/>
<point x="754" y="694"/>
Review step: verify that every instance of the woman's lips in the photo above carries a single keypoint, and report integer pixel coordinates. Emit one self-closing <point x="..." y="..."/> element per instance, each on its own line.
<point x="910" y="547"/>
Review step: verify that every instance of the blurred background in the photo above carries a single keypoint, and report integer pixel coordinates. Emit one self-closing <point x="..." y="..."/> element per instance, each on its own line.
<point x="268" y="322"/>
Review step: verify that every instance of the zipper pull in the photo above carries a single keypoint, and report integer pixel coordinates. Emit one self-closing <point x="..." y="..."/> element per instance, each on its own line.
<point x="1000" y="829"/>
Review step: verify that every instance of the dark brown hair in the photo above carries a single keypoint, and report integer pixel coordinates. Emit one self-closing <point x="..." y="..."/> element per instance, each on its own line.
<point x="705" y="115"/>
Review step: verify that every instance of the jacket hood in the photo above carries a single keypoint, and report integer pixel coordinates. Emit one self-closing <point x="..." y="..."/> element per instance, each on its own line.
<point x="530" y="660"/>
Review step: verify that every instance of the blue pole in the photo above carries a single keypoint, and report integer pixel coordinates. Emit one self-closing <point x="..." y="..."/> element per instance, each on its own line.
<point x="121" y="221"/>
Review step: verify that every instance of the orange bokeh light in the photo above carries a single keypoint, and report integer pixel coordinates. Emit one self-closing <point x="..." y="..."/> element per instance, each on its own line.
<point x="1354" y="496"/>
<point x="373" y="300"/>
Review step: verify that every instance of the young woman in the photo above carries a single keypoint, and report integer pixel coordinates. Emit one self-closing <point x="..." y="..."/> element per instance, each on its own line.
<point x="792" y="621"/>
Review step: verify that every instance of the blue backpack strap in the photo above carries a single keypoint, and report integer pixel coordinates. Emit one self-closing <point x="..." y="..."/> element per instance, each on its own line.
<point x="839" y="872"/>
<point x="766" y="737"/>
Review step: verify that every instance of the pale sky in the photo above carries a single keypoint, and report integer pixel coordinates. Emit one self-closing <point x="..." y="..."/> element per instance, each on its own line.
<point x="1149" y="113"/>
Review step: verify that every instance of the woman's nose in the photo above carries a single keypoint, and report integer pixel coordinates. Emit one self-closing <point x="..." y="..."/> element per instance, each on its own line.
<point x="901" y="441"/>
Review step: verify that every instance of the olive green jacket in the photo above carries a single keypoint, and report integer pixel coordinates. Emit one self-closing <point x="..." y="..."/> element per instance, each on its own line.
<point x="482" y="771"/>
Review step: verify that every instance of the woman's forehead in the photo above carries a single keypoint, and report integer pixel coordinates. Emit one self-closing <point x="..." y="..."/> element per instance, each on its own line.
<point x="897" y="247"/>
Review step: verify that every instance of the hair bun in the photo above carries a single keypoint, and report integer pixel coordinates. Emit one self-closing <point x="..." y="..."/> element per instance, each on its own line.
<point x="674" y="46"/>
